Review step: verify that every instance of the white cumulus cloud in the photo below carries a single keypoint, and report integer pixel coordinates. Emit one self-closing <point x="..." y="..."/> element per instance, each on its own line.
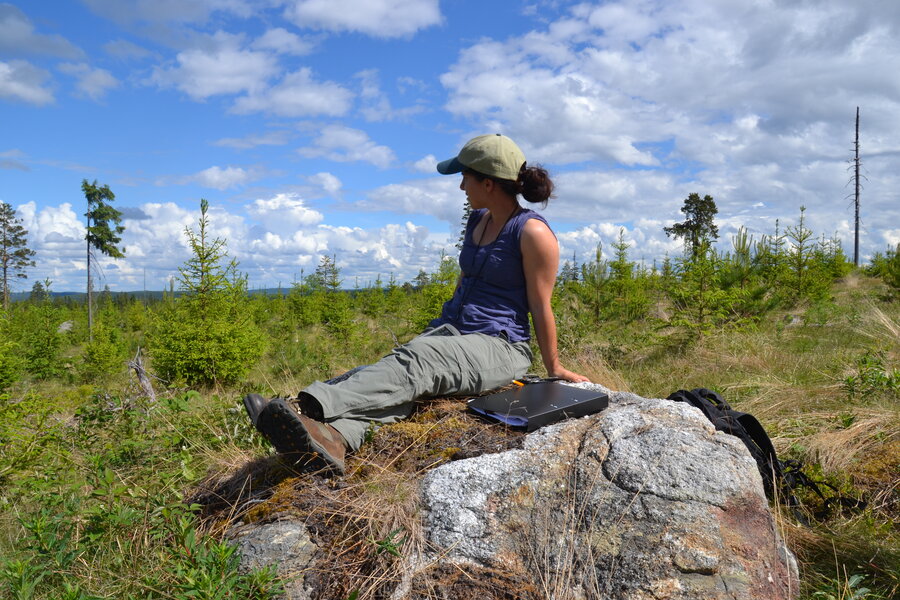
<point x="17" y="36"/>
<point x="345" y="144"/>
<point x="23" y="82"/>
<point x="277" y="137"/>
<point x="426" y="164"/>
<point x="330" y="184"/>
<point x="221" y="66"/>
<point x="217" y="178"/>
<point x="439" y="197"/>
<point x="284" y="214"/>
<point x="298" y="94"/>
<point x="377" y="18"/>
<point x="282" y="41"/>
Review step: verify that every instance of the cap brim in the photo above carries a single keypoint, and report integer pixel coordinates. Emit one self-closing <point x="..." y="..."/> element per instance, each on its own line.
<point x="450" y="166"/>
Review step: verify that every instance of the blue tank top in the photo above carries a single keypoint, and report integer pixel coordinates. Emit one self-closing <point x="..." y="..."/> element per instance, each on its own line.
<point x="491" y="297"/>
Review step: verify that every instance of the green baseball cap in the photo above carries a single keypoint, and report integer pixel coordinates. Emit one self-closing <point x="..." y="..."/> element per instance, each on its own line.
<point x="493" y="155"/>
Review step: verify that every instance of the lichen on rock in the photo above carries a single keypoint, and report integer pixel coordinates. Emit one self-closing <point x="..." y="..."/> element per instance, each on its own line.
<point x="643" y="500"/>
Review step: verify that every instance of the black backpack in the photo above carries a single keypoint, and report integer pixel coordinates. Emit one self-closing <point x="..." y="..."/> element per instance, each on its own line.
<point x="741" y="425"/>
<point x="780" y="478"/>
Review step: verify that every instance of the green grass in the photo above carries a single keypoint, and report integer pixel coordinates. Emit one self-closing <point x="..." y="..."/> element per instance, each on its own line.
<point x="791" y="370"/>
<point x="97" y="486"/>
<point x="95" y="504"/>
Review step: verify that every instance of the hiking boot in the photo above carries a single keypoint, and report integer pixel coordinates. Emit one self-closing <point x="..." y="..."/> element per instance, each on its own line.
<point x="254" y="403"/>
<point x="314" y="444"/>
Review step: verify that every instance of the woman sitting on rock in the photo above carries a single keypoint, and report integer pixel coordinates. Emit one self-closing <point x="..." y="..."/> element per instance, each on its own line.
<point x="508" y="262"/>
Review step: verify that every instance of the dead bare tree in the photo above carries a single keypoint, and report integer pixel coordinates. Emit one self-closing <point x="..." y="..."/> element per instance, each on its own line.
<point x="856" y="194"/>
<point x="855" y="165"/>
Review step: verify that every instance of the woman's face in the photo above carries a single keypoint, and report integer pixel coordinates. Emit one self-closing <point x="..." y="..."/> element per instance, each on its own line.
<point x="474" y="189"/>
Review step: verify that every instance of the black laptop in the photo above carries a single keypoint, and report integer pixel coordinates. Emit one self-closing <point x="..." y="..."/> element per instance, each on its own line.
<point x="534" y="405"/>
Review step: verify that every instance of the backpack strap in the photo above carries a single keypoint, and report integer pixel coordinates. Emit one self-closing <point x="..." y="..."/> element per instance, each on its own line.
<point x="763" y="453"/>
<point x="779" y="478"/>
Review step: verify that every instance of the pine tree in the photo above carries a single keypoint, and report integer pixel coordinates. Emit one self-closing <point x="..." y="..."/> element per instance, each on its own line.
<point x="103" y="235"/>
<point x="467" y="212"/>
<point x="337" y="313"/>
<point x="15" y="256"/>
<point x="630" y="300"/>
<point x="800" y="256"/>
<point x="699" y="226"/>
<point x="621" y="269"/>
<point x="38" y="293"/>
<point x="207" y="336"/>
<point x="741" y="264"/>
<point x="699" y="302"/>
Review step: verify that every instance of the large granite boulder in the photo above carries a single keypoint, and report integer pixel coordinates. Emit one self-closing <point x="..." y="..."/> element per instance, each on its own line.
<point x="644" y="500"/>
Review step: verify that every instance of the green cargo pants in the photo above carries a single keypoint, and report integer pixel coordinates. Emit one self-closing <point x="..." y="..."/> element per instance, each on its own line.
<point x="440" y="362"/>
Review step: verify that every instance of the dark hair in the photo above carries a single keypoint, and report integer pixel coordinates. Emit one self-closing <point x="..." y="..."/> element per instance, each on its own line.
<point x="534" y="183"/>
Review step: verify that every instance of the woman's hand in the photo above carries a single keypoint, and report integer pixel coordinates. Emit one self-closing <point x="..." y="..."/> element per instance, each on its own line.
<point x="569" y="375"/>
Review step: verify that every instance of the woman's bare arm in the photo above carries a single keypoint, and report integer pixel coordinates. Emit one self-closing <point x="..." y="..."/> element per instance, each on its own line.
<point x="540" y="261"/>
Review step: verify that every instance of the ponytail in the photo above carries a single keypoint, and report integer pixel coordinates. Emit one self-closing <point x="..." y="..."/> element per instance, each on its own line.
<point x="534" y="183"/>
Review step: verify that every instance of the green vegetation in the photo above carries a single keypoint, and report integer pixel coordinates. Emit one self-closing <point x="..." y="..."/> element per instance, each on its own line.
<point x="103" y="231"/>
<point x="15" y="255"/>
<point x="107" y="494"/>
<point x="207" y="335"/>
<point x="699" y="226"/>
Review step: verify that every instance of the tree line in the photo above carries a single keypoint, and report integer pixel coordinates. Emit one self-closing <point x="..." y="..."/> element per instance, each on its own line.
<point x="213" y="331"/>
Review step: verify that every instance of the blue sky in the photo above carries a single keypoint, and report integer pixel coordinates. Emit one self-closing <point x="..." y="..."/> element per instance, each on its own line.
<point x="312" y="127"/>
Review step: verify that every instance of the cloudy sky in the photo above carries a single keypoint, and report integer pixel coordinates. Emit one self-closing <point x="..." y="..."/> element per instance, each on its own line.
<point x="312" y="127"/>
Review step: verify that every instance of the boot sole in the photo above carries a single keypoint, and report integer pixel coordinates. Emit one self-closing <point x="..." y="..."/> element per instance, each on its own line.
<point x="280" y="425"/>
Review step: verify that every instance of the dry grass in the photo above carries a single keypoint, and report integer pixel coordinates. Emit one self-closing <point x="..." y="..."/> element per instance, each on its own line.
<point x="788" y="376"/>
<point x="597" y="369"/>
<point x="366" y="523"/>
<point x="883" y="329"/>
<point x="871" y="432"/>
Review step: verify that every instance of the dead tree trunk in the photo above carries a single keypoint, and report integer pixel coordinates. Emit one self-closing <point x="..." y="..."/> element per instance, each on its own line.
<point x="143" y="378"/>
<point x="856" y="195"/>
